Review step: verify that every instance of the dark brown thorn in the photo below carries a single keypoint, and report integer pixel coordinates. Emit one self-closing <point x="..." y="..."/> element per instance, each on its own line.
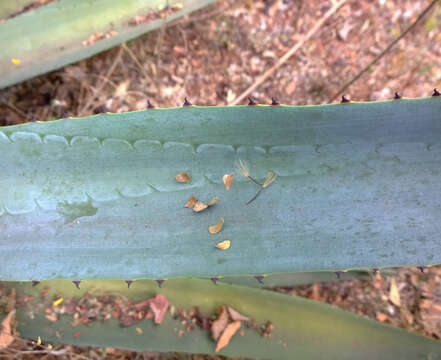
<point x="344" y="99"/>
<point x="128" y="282"/>
<point x="397" y="96"/>
<point x="187" y="102"/>
<point x="375" y="271"/>
<point x="35" y="283"/>
<point x="33" y="119"/>
<point x="160" y="282"/>
<point x="422" y="268"/>
<point x="259" y="278"/>
<point x="274" y="102"/>
<point x="252" y="102"/>
<point x="76" y="283"/>
<point x="339" y="274"/>
<point x="436" y="92"/>
<point x="214" y="280"/>
<point x="149" y="105"/>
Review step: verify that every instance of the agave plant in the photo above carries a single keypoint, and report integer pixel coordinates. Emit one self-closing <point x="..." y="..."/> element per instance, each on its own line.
<point x="121" y="204"/>
<point x="64" y="31"/>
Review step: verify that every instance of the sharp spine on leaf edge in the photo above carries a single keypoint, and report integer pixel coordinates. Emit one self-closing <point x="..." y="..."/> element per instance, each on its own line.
<point x="259" y="278"/>
<point x="251" y="102"/>
<point x="339" y="274"/>
<point x="436" y="92"/>
<point x="214" y="279"/>
<point x="397" y="96"/>
<point x="128" y="282"/>
<point x="35" y="283"/>
<point x="160" y="282"/>
<point x="422" y="268"/>
<point x="77" y="283"/>
<point x="149" y="105"/>
<point x="375" y="271"/>
<point x="187" y="102"/>
<point x="344" y="100"/>
<point x="274" y="102"/>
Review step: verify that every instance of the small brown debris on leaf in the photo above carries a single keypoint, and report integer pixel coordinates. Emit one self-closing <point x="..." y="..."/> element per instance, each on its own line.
<point x="213" y="201"/>
<point x="159" y="306"/>
<point x="191" y="202"/>
<point x="199" y="206"/>
<point x="235" y="315"/>
<point x="139" y="330"/>
<point x="219" y="324"/>
<point x="227" y="334"/>
<point x="183" y="177"/>
<point x="6" y="337"/>
<point x="216" y="228"/>
<point x="224" y="245"/>
<point x="227" y="180"/>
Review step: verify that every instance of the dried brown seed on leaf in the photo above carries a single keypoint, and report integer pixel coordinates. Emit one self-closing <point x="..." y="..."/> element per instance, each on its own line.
<point x="227" y="180"/>
<point x="199" y="206"/>
<point x="224" y="245"/>
<point x="6" y="337"/>
<point x="159" y="306"/>
<point x="219" y="325"/>
<point x="216" y="228"/>
<point x="235" y="315"/>
<point x="227" y="334"/>
<point x="183" y="177"/>
<point x="191" y="202"/>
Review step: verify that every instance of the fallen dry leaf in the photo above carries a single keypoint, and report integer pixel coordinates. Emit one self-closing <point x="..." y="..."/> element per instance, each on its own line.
<point x="213" y="201"/>
<point x="191" y="202"/>
<point x="394" y="293"/>
<point x="216" y="228"/>
<point x="226" y="336"/>
<point x="219" y="324"/>
<point x="183" y="177"/>
<point x="6" y="337"/>
<point x="227" y="180"/>
<point x="159" y="306"/>
<point x="235" y="315"/>
<point x="199" y="206"/>
<point x="224" y="245"/>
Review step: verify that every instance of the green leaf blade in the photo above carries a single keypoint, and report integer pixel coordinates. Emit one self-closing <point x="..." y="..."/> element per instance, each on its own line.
<point x="97" y="197"/>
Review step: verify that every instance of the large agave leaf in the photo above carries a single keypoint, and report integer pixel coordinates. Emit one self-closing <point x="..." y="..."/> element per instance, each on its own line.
<point x="303" y="329"/>
<point x="55" y="35"/>
<point x="97" y="197"/>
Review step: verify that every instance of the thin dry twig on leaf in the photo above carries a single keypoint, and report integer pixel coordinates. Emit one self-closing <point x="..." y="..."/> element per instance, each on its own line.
<point x="288" y="54"/>
<point x="384" y="52"/>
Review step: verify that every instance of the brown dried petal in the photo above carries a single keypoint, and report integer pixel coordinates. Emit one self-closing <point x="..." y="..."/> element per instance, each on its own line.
<point x="224" y="245"/>
<point x="227" y="180"/>
<point x="235" y="315"/>
<point x="219" y="324"/>
<point x="226" y="336"/>
<point x="199" y="206"/>
<point x="191" y="202"/>
<point x="159" y="306"/>
<point x="216" y="228"/>
<point x="183" y="177"/>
